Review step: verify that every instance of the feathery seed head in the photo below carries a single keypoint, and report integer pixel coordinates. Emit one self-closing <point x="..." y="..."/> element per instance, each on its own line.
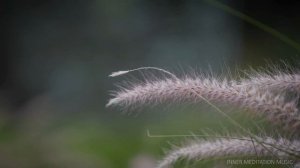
<point x="274" y="106"/>
<point x="263" y="94"/>
<point x="242" y="147"/>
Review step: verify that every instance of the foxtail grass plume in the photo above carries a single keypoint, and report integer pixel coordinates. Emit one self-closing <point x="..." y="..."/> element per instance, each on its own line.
<point x="224" y="148"/>
<point x="273" y="106"/>
<point x="262" y="94"/>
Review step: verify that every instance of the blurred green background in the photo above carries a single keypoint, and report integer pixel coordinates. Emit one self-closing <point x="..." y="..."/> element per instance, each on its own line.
<point x="56" y="56"/>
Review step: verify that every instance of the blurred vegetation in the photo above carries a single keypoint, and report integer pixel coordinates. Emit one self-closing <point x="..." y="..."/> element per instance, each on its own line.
<point x="56" y="56"/>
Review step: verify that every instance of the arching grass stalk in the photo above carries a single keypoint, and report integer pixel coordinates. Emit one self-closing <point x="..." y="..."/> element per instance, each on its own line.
<point x="255" y="23"/>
